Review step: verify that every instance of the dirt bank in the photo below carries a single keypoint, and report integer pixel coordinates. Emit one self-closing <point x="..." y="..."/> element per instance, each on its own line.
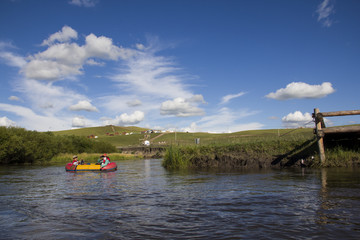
<point x="233" y="161"/>
<point x="146" y="152"/>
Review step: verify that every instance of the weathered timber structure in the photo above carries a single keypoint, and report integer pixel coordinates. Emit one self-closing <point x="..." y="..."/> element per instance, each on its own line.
<point x="321" y="130"/>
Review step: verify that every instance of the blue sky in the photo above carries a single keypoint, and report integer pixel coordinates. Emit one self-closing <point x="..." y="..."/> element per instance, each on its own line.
<point x="210" y="66"/>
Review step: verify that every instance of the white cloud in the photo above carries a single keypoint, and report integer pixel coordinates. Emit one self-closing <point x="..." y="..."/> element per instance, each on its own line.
<point x="324" y="10"/>
<point x="12" y="60"/>
<point x="83" y="106"/>
<point x="147" y="74"/>
<point x="140" y="46"/>
<point x="32" y="121"/>
<point x="134" y="103"/>
<point x="197" y="98"/>
<point x="224" y="121"/>
<point x="47" y="98"/>
<point x="102" y="47"/>
<point x="85" y="3"/>
<point x="181" y="107"/>
<point x="229" y="97"/>
<point x="302" y="90"/>
<point x="50" y="70"/>
<point x="64" y="59"/>
<point x="298" y="119"/>
<point x="192" y="128"/>
<point x="78" y="122"/>
<point x="125" y="119"/>
<point x="65" y="35"/>
<point x="145" y="80"/>
<point x="5" y="122"/>
<point x="14" y="98"/>
<point x="92" y="62"/>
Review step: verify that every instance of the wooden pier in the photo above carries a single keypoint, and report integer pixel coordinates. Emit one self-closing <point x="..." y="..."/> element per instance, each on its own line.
<point x="321" y="130"/>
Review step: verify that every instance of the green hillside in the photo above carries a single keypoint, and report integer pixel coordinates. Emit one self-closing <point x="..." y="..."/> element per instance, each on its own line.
<point x="108" y="134"/>
<point x="101" y="131"/>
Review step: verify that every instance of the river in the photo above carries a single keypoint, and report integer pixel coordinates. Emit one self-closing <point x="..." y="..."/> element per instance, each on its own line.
<point x="142" y="200"/>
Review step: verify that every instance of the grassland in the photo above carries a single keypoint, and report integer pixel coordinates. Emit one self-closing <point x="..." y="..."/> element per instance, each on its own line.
<point x="90" y="157"/>
<point x="182" y="138"/>
<point x="255" y="148"/>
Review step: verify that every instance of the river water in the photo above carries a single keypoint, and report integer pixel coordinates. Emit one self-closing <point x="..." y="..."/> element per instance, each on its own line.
<point x="144" y="201"/>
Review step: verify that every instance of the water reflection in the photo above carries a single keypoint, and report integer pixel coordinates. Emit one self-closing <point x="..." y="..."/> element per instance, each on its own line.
<point x="144" y="201"/>
<point x="339" y="196"/>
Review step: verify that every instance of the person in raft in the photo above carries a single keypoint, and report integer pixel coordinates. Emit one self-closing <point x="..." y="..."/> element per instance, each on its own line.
<point x="75" y="161"/>
<point x="104" y="160"/>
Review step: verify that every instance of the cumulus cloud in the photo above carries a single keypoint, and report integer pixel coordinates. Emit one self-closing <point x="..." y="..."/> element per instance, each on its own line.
<point x="78" y="122"/>
<point x="197" y="98"/>
<point x="5" y="122"/>
<point x="145" y="78"/>
<point x="125" y="119"/>
<point x="83" y="106"/>
<point x="324" y="11"/>
<point x="64" y="58"/>
<point x="84" y="3"/>
<point x="302" y="90"/>
<point x="297" y="119"/>
<point x="181" y="107"/>
<point x="65" y="35"/>
<point x="229" y="97"/>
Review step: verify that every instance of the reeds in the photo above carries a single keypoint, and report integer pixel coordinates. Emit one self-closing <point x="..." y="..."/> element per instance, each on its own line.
<point x="175" y="159"/>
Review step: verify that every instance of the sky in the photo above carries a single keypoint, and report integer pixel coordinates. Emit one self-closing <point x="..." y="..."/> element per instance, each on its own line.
<point x="182" y="65"/>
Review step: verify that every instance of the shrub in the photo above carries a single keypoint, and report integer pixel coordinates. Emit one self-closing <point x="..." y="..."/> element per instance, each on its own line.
<point x="19" y="146"/>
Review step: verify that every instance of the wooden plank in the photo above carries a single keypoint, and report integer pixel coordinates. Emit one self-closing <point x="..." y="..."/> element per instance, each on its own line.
<point x="320" y="138"/>
<point x="339" y="113"/>
<point x="345" y="129"/>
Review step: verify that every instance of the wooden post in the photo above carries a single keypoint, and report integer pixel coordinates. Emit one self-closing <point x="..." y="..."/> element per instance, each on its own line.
<point x="320" y="135"/>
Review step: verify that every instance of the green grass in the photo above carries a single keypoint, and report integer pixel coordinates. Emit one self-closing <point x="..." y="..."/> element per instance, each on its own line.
<point x="182" y="138"/>
<point x="91" y="157"/>
<point x="183" y="151"/>
<point x="241" y="152"/>
<point x="100" y="131"/>
<point x="174" y="159"/>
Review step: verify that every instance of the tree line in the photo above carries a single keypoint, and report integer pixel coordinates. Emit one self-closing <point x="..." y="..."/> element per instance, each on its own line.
<point x="20" y="146"/>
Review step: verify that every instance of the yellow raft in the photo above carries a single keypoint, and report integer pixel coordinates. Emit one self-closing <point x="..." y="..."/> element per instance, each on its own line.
<point x="91" y="167"/>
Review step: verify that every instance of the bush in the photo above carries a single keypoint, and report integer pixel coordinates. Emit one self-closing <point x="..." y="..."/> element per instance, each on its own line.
<point x="19" y="146"/>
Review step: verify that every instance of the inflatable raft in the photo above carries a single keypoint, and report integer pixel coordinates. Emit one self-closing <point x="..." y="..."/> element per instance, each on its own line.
<point x="90" y="167"/>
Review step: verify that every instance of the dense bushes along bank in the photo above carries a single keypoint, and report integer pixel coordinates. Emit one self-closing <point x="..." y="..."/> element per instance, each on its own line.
<point x="19" y="146"/>
<point x="260" y="153"/>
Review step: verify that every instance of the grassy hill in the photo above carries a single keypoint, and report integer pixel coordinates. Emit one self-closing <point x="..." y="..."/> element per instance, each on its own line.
<point x="100" y="131"/>
<point x="107" y="134"/>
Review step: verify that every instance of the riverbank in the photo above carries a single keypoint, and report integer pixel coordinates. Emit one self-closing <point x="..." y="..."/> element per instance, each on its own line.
<point x="91" y="157"/>
<point x="265" y="153"/>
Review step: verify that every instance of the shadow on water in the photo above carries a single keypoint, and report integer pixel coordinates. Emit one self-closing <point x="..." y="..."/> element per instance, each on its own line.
<point x="303" y="151"/>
